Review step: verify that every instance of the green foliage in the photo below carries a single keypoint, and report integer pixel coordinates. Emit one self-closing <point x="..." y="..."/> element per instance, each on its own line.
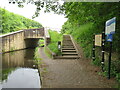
<point x="80" y="15"/>
<point x="118" y="77"/>
<point x="12" y="22"/>
<point x="55" y="37"/>
<point x="6" y="72"/>
<point x="53" y="47"/>
<point x="37" y="56"/>
<point x="47" y="52"/>
<point x="114" y="68"/>
<point x="81" y="35"/>
<point x="41" y="42"/>
<point x="97" y="61"/>
<point x="46" y="5"/>
<point x="82" y="12"/>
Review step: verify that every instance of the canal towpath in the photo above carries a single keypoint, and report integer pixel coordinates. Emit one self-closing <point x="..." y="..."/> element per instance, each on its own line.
<point x="71" y="73"/>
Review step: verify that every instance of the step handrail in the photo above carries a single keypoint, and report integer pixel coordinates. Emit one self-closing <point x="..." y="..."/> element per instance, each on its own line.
<point x="74" y="43"/>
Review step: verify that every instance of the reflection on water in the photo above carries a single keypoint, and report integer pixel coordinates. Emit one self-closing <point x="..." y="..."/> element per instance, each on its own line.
<point x="23" y="77"/>
<point x="18" y="71"/>
<point x="22" y="58"/>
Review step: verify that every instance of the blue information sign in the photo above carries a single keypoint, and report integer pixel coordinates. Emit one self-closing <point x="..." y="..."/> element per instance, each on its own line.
<point x="110" y="29"/>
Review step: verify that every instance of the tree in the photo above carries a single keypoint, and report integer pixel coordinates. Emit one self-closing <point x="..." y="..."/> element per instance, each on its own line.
<point x="13" y="22"/>
<point x="48" y="5"/>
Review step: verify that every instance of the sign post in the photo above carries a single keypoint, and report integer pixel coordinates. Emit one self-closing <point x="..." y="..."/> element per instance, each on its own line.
<point x="109" y="31"/>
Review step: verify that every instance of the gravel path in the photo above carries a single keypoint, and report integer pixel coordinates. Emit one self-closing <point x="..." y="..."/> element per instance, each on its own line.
<point x="74" y="73"/>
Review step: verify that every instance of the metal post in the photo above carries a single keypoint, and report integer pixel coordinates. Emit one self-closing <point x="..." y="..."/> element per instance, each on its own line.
<point x="103" y="50"/>
<point x="109" y="61"/>
<point x="93" y="57"/>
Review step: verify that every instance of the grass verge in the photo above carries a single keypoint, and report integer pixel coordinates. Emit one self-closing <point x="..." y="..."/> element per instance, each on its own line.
<point x="48" y="52"/>
<point x="37" y="56"/>
<point x="55" y="37"/>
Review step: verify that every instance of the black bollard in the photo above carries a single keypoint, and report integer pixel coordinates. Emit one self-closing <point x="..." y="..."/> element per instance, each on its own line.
<point x="103" y="50"/>
<point x="93" y="50"/>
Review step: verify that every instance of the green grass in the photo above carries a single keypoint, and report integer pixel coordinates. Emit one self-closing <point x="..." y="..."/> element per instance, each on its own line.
<point x="37" y="56"/>
<point x="83" y="36"/>
<point x="47" y="52"/>
<point x="41" y="42"/>
<point x="53" y="47"/>
<point x="6" y="72"/>
<point x="55" y="37"/>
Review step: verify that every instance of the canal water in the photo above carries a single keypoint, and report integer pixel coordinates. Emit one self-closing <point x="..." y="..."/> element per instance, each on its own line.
<point x="19" y="70"/>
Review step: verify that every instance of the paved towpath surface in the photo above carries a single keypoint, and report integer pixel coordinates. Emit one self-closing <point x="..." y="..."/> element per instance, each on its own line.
<point x="74" y="73"/>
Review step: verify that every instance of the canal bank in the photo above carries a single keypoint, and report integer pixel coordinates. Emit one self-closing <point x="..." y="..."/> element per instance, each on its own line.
<point x="71" y="73"/>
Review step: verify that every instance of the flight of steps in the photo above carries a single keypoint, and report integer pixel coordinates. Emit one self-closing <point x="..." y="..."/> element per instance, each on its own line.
<point x="68" y="49"/>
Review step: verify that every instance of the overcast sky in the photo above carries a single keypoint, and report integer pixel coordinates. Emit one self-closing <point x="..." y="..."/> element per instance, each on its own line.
<point x="50" y="20"/>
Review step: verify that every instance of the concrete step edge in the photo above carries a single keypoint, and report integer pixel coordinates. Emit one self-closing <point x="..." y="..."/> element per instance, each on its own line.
<point x="69" y="50"/>
<point x="68" y="57"/>
<point x="69" y="53"/>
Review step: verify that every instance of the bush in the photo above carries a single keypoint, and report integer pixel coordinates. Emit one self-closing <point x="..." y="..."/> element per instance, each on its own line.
<point x="55" y="37"/>
<point x="41" y="42"/>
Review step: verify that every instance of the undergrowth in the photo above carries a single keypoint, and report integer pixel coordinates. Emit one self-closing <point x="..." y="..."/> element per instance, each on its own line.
<point x="83" y="35"/>
<point x="47" y="52"/>
<point x="41" y="42"/>
<point x="37" y="56"/>
<point x="55" y="37"/>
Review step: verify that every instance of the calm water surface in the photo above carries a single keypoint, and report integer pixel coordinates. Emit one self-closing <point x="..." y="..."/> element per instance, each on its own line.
<point x="19" y="70"/>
